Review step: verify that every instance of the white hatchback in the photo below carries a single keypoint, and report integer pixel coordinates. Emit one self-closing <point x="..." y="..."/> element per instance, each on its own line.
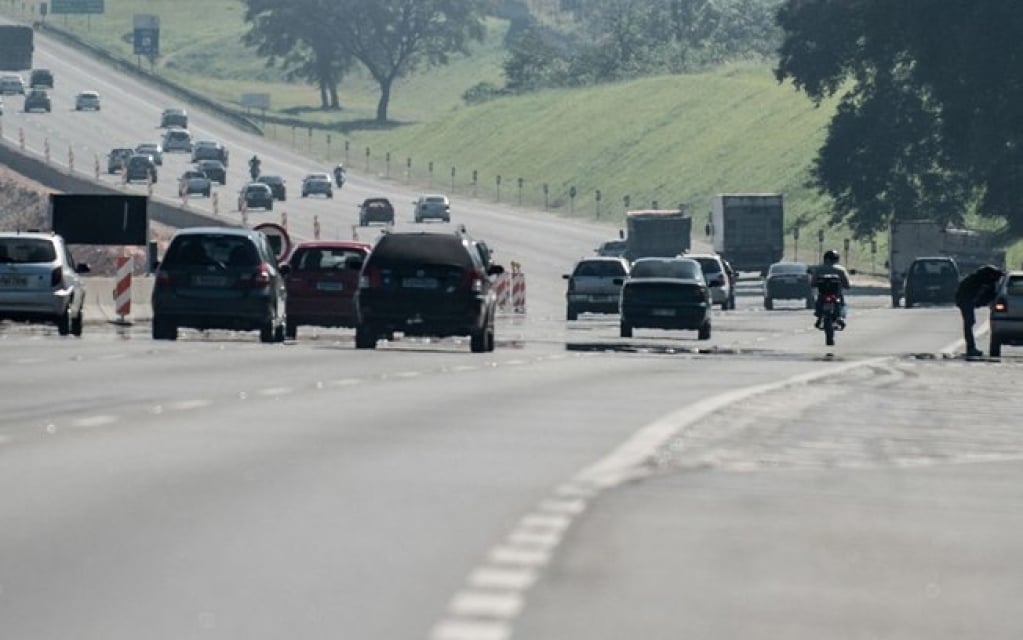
<point x="722" y="290"/>
<point x="40" y="282"/>
<point x="87" y="101"/>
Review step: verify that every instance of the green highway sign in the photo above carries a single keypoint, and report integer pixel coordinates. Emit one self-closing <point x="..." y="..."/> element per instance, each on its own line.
<point x="76" y="6"/>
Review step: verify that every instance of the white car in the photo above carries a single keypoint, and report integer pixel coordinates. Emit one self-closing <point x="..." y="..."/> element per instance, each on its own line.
<point x="87" y="101"/>
<point x="40" y="282"/>
<point x="151" y="149"/>
<point x="177" y="140"/>
<point x="722" y="291"/>
<point x="1" y="106"/>
<point x="12" y="85"/>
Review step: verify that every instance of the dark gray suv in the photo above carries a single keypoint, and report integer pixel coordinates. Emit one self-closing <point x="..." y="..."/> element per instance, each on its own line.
<point x="219" y="278"/>
<point x="426" y="284"/>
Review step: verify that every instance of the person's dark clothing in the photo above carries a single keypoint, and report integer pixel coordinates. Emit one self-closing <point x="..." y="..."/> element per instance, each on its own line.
<point x="976" y="290"/>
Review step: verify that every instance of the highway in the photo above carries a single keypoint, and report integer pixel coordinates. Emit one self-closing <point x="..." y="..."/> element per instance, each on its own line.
<point x="570" y="485"/>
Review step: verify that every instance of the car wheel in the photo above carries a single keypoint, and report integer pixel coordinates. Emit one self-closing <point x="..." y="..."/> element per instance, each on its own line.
<point x="447" y="219"/>
<point x="76" y="325"/>
<point x="571" y="314"/>
<point x="809" y="302"/>
<point x="164" y="329"/>
<point x="995" y="347"/>
<point x="365" y="338"/>
<point x="768" y="303"/>
<point x="64" y="324"/>
<point x="291" y="330"/>
<point x="305" y="195"/>
<point x="418" y="219"/>
<point x="279" y="333"/>
<point x="270" y="207"/>
<point x="626" y="330"/>
<point x="478" y="340"/>
<point x="266" y="332"/>
<point x="895" y="301"/>
<point x="491" y="340"/>
<point x="362" y="222"/>
<point x="704" y="332"/>
<point x="909" y="303"/>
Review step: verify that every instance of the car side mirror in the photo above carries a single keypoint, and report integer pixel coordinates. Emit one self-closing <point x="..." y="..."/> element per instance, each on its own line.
<point x="82" y="267"/>
<point x="284" y="268"/>
<point x="565" y="276"/>
<point x="495" y="270"/>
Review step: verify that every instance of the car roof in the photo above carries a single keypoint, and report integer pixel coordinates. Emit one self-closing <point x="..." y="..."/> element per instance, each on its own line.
<point x="269" y="176"/>
<point x="333" y="244"/>
<point x="602" y="259"/>
<point x="88" y="92"/>
<point x="378" y="199"/>
<point x="210" y="161"/>
<point x="256" y="185"/>
<point x="174" y="111"/>
<point x="29" y="234"/>
<point x="223" y="231"/>
<point x="317" y="175"/>
<point x="426" y="247"/>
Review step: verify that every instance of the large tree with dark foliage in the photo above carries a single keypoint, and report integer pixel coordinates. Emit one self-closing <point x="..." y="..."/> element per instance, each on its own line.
<point x="301" y="36"/>
<point x="929" y="122"/>
<point x="391" y="38"/>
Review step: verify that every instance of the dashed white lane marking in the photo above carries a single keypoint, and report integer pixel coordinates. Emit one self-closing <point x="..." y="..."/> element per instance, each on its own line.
<point x="407" y="374"/>
<point x="187" y="405"/>
<point x="480" y="604"/>
<point x="273" y="392"/>
<point x="28" y="361"/>
<point x="114" y="356"/>
<point x="461" y="368"/>
<point x="343" y="382"/>
<point x="470" y="630"/>
<point x="94" y="421"/>
<point x="516" y="557"/>
<point x="496" y="594"/>
<point x="502" y="578"/>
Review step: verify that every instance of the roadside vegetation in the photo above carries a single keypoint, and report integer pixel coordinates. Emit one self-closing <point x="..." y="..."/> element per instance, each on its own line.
<point x="701" y="113"/>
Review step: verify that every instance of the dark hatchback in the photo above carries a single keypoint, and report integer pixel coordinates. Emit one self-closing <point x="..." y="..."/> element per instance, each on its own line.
<point x="788" y="281"/>
<point x="426" y="284"/>
<point x="376" y="210"/>
<point x="322" y="283"/>
<point x="665" y="293"/>
<point x="931" y="280"/>
<point x="214" y="170"/>
<point x="276" y="184"/>
<point x="140" y="168"/>
<point x="219" y="278"/>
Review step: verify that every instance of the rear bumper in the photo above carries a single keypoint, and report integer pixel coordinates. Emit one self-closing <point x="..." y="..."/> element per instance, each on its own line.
<point x="318" y="312"/>
<point x="426" y="318"/>
<point x="244" y="314"/>
<point x="688" y="317"/>
<point x="35" y="305"/>
<point x="788" y="291"/>
<point x="1007" y="330"/>
<point x="593" y="303"/>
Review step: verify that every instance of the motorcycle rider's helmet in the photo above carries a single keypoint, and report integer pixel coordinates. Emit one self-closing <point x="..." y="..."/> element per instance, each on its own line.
<point x="831" y="256"/>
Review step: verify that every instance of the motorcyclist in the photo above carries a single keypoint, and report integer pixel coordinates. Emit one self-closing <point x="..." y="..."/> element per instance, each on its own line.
<point x="830" y="266"/>
<point x="254" y="163"/>
<point x="339" y="174"/>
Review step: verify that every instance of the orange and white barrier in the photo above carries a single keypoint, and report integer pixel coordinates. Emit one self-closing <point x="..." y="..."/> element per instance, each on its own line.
<point x="518" y="292"/>
<point x="316" y="227"/>
<point x="502" y="288"/>
<point x="95" y="166"/>
<point x="46" y="149"/>
<point x="216" y="204"/>
<point x="122" y="287"/>
<point x="510" y="288"/>
<point x="284" y="219"/>
<point x="71" y="159"/>
<point x="21" y="138"/>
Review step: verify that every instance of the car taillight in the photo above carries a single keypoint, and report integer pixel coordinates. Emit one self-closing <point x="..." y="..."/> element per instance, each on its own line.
<point x="1001" y="306"/>
<point x="262" y="277"/>
<point x="56" y="277"/>
<point x="164" y="279"/>
<point x="472" y="280"/>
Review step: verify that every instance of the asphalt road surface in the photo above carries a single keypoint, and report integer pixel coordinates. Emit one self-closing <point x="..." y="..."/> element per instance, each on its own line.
<point x="570" y="485"/>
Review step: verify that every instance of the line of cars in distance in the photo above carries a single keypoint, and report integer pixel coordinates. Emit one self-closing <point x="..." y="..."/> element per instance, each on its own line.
<point x="37" y="92"/>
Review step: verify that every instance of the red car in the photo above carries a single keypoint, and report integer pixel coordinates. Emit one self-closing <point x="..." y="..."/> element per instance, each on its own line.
<point x="321" y="284"/>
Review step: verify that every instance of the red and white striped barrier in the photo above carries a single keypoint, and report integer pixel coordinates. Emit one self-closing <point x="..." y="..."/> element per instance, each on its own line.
<point x="122" y="287"/>
<point x="518" y="292"/>
<point x="502" y="288"/>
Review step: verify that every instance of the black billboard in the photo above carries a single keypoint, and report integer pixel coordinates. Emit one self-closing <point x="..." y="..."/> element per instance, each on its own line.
<point x="100" y="219"/>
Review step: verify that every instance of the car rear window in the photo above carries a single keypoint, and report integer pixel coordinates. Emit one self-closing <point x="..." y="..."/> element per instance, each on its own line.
<point x="1014" y="287"/>
<point x="933" y="268"/>
<point x="687" y="269"/>
<point x="599" y="269"/>
<point x="324" y="258"/>
<point x="438" y="200"/>
<point x="214" y="249"/>
<point x="709" y="265"/>
<point x="425" y="248"/>
<point x="788" y="269"/>
<point x="26" y="250"/>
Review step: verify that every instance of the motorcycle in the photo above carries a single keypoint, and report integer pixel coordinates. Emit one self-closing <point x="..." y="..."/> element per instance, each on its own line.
<point x="339" y="177"/>
<point x="829" y="289"/>
<point x="254" y="169"/>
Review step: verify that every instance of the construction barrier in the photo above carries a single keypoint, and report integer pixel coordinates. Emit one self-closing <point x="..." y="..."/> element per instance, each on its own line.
<point x="46" y="149"/>
<point x="502" y="288"/>
<point x="518" y="292"/>
<point x="96" y="166"/>
<point x="510" y="289"/>
<point x="70" y="158"/>
<point x="284" y="219"/>
<point x="21" y="138"/>
<point x="216" y="204"/>
<point x="122" y="287"/>
<point x="316" y="227"/>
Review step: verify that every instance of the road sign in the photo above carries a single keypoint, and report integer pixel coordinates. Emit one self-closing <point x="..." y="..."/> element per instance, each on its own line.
<point x="146" y="36"/>
<point x="100" y="219"/>
<point x="278" y="238"/>
<point x="256" y="101"/>
<point x="76" y="6"/>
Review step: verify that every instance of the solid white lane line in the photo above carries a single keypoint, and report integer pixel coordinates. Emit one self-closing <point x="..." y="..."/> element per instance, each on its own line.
<point x="502" y="578"/>
<point x="479" y="604"/>
<point x="407" y="374"/>
<point x="470" y="630"/>
<point x="565" y="507"/>
<point x="343" y="382"/>
<point x="534" y="539"/>
<point x="545" y="521"/>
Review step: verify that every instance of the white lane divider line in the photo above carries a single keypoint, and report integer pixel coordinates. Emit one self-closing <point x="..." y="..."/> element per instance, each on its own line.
<point x="187" y="405"/>
<point x="489" y="577"/>
<point x="274" y="392"/>
<point x="94" y="421"/>
<point x="479" y="604"/>
<point x="470" y="630"/>
<point x="495" y="596"/>
<point x="343" y="382"/>
<point x="407" y="374"/>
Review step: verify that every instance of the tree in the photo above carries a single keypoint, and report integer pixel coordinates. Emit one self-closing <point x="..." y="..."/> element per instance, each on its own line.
<point x="301" y="35"/>
<point x="928" y="120"/>
<point x="391" y="38"/>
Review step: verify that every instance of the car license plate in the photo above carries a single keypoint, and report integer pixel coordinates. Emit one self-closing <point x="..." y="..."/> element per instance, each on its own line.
<point x="828" y="307"/>
<point x="13" y="281"/>
<point x="330" y="286"/>
<point x="663" y="312"/>
<point x="419" y="283"/>
<point x="209" y="281"/>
